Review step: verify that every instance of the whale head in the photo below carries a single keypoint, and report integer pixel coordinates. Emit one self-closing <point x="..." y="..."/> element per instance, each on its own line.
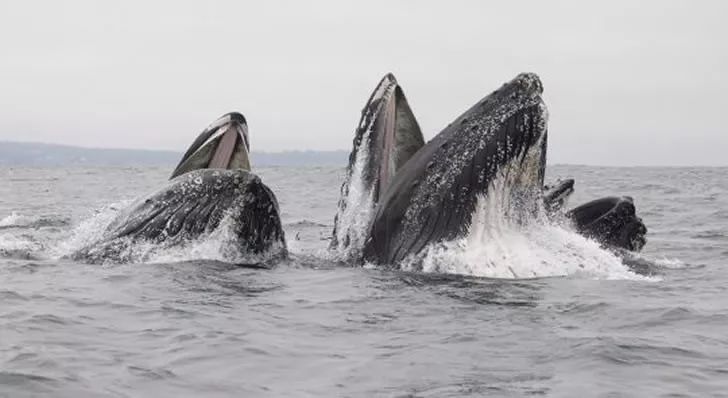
<point x="224" y="144"/>
<point x="497" y="147"/>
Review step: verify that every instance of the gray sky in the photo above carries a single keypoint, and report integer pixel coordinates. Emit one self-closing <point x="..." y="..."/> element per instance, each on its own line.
<point x="626" y="82"/>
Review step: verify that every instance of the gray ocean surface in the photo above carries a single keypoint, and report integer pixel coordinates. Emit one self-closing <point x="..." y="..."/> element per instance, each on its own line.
<point x="313" y="327"/>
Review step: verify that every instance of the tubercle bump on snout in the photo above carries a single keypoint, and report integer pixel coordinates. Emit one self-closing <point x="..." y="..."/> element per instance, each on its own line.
<point x="529" y="82"/>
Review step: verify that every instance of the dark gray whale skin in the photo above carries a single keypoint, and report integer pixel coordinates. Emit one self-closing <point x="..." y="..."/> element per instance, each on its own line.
<point x="212" y="183"/>
<point x="433" y="196"/>
<point x="191" y="205"/>
<point x="611" y="221"/>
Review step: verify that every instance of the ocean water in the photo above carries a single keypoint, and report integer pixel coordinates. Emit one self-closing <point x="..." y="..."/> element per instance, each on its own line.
<point x="184" y="323"/>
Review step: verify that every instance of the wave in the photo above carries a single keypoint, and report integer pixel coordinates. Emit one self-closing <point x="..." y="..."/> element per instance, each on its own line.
<point x="659" y="262"/>
<point x="711" y="235"/>
<point x="17" y="220"/>
<point x="306" y="224"/>
<point x="22" y="246"/>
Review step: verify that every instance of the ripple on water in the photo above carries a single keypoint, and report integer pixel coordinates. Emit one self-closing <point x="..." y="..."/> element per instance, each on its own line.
<point x="152" y="374"/>
<point x="9" y="296"/>
<point x="31" y="382"/>
<point x="311" y="327"/>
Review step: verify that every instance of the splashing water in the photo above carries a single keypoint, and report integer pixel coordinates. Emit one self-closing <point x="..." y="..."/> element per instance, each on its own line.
<point x="510" y="236"/>
<point x="13" y="244"/>
<point x="18" y="220"/>
<point x="14" y="219"/>
<point x="529" y="251"/>
<point x="221" y="244"/>
<point x="355" y="212"/>
<point x="665" y="262"/>
<point x="89" y="230"/>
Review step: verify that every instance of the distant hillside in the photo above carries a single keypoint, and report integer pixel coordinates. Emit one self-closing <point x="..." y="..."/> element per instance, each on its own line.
<point x="32" y="154"/>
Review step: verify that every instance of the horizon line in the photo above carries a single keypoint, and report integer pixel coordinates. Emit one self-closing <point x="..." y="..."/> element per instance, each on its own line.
<point x="283" y="151"/>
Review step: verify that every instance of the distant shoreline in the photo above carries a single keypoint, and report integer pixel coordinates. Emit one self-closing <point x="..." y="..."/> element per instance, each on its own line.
<point x="42" y="154"/>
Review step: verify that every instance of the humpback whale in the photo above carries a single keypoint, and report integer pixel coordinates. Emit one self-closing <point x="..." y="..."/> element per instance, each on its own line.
<point x="212" y="183"/>
<point x="612" y="221"/>
<point x="434" y="195"/>
<point x="410" y="195"/>
<point x="386" y="137"/>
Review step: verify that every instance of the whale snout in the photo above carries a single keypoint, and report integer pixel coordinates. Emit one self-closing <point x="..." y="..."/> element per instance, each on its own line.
<point x="224" y="144"/>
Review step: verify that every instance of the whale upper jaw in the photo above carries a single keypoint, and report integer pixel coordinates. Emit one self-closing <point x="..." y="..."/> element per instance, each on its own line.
<point x="224" y="144"/>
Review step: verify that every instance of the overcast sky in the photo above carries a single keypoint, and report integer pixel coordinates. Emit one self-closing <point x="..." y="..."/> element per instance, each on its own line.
<point x="626" y="82"/>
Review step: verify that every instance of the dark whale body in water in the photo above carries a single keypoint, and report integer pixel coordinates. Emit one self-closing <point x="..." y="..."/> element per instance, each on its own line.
<point x="431" y="192"/>
<point x="612" y="221"/>
<point x="433" y="196"/>
<point x="211" y="186"/>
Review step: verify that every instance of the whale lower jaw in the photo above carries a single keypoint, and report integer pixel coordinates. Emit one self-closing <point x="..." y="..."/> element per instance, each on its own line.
<point x="222" y="145"/>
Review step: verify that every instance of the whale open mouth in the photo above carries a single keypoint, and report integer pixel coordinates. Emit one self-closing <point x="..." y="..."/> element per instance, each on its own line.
<point x="222" y="145"/>
<point x="386" y="138"/>
<point x="388" y="135"/>
<point x="433" y="196"/>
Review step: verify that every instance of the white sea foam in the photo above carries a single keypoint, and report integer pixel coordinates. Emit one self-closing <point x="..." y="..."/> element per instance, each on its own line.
<point x="508" y="238"/>
<point x="663" y="262"/>
<point x="18" y="243"/>
<point x="16" y="219"/>
<point x="525" y="251"/>
<point x="13" y="219"/>
<point x="221" y="244"/>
